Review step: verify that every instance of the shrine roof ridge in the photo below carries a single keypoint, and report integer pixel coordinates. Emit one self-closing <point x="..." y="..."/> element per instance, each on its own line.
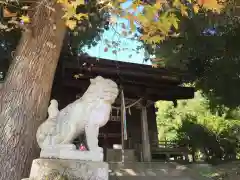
<point x="132" y="69"/>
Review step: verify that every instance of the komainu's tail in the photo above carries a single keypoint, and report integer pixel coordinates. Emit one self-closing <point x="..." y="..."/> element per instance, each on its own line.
<point x="49" y="125"/>
<point x="53" y="109"/>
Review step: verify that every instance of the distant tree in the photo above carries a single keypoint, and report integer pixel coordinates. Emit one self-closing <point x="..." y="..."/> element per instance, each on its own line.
<point x="193" y="124"/>
<point x="208" y="49"/>
<point x="210" y="54"/>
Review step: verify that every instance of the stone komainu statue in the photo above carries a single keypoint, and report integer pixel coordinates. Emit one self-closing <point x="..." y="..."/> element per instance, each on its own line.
<point x="86" y="114"/>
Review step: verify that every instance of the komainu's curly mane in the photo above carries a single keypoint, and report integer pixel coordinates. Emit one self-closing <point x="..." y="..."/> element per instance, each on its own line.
<point x="100" y="89"/>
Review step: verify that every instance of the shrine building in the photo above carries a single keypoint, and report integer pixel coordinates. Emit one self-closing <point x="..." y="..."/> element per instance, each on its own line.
<point x="142" y="86"/>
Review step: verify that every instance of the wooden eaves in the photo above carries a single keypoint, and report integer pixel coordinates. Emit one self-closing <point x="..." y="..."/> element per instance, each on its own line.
<point x="137" y="80"/>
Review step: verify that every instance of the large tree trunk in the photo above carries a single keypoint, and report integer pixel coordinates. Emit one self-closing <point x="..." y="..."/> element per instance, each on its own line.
<point x="26" y="91"/>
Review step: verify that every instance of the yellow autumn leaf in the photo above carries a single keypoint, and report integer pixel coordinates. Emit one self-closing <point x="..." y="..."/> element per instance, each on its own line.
<point x="122" y="1"/>
<point x="77" y="3"/>
<point x="134" y="6"/>
<point x="80" y="2"/>
<point x="71" y="24"/>
<point x="196" y="8"/>
<point x="183" y="10"/>
<point x="80" y="16"/>
<point x="62" y="1"/>
<point x="158" y="4"/>
<point x="25" y="19"/>
<point x="211" y="4"/>
<point x="175" y="23"/>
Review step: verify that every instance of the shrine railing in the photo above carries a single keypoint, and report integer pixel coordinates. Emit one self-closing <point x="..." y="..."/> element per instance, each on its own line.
<point x="170" y="146"/>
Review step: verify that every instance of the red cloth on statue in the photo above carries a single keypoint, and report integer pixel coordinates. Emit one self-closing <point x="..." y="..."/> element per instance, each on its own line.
<point x="82" y="148"/>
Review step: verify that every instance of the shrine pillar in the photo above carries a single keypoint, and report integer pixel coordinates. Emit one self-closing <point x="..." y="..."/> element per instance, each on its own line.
<point x="145" y="135"/>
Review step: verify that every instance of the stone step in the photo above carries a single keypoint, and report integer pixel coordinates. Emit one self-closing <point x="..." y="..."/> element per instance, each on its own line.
<point x="115" y="171"/>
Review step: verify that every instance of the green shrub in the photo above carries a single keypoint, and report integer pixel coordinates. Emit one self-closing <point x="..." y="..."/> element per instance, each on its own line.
<point x="193" y="124"/>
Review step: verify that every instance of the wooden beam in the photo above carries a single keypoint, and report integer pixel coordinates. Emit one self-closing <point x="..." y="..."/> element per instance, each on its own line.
<point x="78" y="61"/>
<point x="133" y="91"/>
<point x="83" y="83"/>
<point x="143" y="82"/>
<point x="133" y="74"/>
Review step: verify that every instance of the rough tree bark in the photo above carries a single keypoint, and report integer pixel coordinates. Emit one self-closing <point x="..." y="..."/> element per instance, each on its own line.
<point x="26" y="91"/>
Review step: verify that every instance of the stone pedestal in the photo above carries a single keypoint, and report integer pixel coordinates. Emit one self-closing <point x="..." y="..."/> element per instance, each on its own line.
<point x="69" y="151"/>
<point x="53" y="169"/>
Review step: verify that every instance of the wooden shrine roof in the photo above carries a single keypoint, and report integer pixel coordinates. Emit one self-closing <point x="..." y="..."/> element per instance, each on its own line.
<point x="137" y="80"/>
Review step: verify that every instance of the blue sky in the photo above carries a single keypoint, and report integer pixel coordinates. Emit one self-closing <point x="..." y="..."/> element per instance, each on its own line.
<point x="127" y="44"/>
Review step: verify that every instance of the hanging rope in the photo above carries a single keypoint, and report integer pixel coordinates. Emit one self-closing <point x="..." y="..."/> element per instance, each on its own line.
<point x="122" y="109"/>
<point x="129" y="106"/>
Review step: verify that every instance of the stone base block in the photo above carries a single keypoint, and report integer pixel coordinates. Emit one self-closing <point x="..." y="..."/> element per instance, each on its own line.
<point x="115" y="155"/>
<point x="69" y="151"/>
<point x="53" y="169"/>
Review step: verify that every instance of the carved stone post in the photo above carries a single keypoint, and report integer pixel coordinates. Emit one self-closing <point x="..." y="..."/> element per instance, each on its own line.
<point x="145" y="135"/>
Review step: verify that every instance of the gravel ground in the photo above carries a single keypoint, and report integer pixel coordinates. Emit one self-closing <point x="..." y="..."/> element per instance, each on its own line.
<point x="226" y="171"/>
